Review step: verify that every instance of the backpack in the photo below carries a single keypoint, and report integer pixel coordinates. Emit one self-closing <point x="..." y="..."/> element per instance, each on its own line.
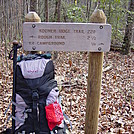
<point x="37" y="107"/>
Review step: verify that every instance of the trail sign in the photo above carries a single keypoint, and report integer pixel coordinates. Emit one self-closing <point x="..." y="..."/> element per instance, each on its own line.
<point x="50" y="36"/>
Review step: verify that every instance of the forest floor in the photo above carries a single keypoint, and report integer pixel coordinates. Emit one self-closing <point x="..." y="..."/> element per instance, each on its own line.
<point x="116" y="114"/>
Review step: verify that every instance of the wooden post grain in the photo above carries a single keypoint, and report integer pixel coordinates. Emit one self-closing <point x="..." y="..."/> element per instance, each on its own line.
<point x="94" y="81"/>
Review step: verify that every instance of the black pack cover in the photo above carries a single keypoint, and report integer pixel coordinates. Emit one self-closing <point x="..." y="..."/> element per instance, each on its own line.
<point x="34" y="92"/>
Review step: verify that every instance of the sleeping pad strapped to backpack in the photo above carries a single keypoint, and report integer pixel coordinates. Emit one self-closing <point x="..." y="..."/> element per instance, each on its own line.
<point x="37" y="108"/>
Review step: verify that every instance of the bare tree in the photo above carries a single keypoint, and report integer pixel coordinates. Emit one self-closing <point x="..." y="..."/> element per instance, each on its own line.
<point x="128" y="30"/>
<point x="89" y="4"/>
<point x="33" y="5"/>
<point x="46" y="11"/>
<point x="57" y="10"/>
<point x="1" y="20"/>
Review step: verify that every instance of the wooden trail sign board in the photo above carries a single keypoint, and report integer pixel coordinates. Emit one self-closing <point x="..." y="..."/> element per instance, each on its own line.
<point x="49" y="36"/>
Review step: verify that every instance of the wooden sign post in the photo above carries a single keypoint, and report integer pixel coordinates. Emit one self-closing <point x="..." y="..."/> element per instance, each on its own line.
<point x="94" y="81"/>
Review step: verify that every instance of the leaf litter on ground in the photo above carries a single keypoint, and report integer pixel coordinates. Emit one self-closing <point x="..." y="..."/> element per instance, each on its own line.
<point x="116" y="114"/>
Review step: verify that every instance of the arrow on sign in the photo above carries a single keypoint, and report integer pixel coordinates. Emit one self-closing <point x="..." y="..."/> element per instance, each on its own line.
<point x="32" y="36"/>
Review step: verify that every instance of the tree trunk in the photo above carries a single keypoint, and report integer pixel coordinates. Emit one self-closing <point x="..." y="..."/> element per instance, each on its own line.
<point x="23" y="10"/>
<point x="11" y="21"/>
<point x="1" y="20"/>
<point x="87" y="8"/>
<point x="46" y="11"/>
<point x="64" y="14"/>
<point x="5" y="20"/>
<point x="57" y="10"/>
<point x="39" y="7"/>
<point x="33" y="5"/>
<point x="89" y="4"/>
<point x="128" y="31"/>
<point x="27" y="7"/>
<point x="16" y="22"/>
<point x="59" y="5"/>
<point x="109" y="12"/>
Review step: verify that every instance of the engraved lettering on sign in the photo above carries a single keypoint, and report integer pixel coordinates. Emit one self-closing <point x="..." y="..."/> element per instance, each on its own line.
<point x="91" y="31"/>
<point x="93" y="44"/>
<point x="47" y="30"/>
<point x="31" y="43"/>
<point x="78" y="31"/>
<point x="50" y="43"/>
<point x="44" y="37"/>
<point x="102" y="44"/>
<point x="91" y="37"/>
<point x="64" y="30"/>
<point x="59" y="37"/>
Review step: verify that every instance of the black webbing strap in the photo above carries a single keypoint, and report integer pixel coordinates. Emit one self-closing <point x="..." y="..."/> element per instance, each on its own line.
<point x="35" y="97"/>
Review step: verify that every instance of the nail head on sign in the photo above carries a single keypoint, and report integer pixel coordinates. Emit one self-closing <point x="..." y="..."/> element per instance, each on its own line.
<point x="101" y="27"/>
<point x="33" y="25"/>
<point x="99" y="48"/>
<point x="33" y="47"/>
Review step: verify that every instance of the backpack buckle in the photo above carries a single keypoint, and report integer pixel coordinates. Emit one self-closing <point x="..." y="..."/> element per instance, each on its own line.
<point x="35" y="96"/>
